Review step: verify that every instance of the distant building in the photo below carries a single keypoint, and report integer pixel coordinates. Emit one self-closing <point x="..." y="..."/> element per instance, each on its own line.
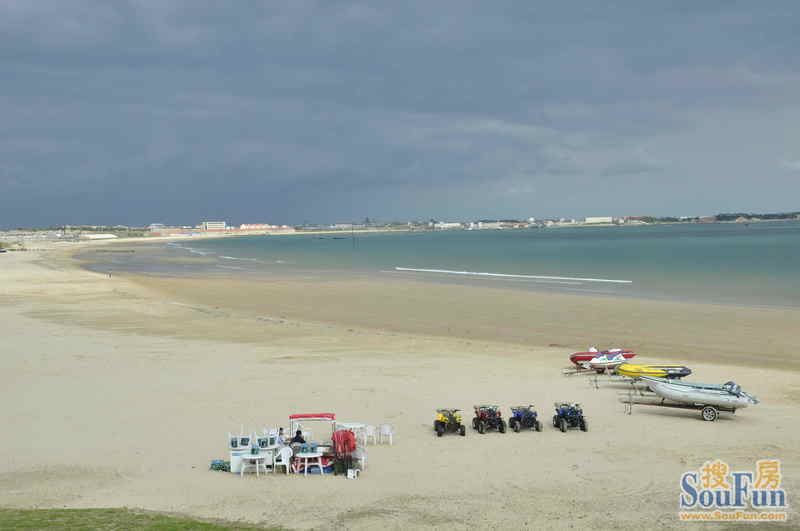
<point x="348" y="226"/>
<point x="602" y="219"/>
<point x="444" y="225"/>
<point x="213" y="225"/>
<point x="163" y="230"/>
<point x="166" y="231"/>
<point x="489" y="225"/>
<point x="265" y="227"/>
<point x="98" y="236"/>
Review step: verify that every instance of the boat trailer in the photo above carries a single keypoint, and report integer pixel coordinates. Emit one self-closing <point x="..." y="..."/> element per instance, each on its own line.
<point x="642" y="396"/>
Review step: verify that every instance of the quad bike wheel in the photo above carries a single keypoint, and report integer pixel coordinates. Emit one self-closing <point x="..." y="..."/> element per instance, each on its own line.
<point x="538" y="426"/>
<point x="710" y="413"/>
<point x="462" y="430"/>
<point x="555" y="421"/>
<point x="563" y="425"/>
<point x="502" y="426"/>
<point x="515" y="425"/>
<point x="584" y="425"/>
<point x="481" y="427"/>
<point x="474" y="423"/>
<point x="439" y="430"/>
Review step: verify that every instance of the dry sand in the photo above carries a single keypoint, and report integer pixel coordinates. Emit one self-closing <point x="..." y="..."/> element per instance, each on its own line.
<point x="119" y="391"/>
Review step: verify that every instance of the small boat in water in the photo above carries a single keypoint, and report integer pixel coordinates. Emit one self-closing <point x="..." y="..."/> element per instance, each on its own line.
<point x="656" y="371"/>
<point x="581" y="358"/>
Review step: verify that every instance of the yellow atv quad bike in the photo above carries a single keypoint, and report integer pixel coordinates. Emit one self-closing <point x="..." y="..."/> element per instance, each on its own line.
<point x="448" y="420"/>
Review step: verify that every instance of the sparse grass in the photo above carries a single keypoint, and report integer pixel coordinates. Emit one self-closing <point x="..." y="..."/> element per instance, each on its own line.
<point x="115" y="519"/>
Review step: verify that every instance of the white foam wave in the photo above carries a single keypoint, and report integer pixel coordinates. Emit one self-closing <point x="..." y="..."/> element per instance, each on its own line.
<point x="507" y="275"/>
<point x="195" y="251"/>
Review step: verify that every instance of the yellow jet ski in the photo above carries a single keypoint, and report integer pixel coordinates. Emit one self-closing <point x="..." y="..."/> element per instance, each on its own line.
<point x="654" y="371"/>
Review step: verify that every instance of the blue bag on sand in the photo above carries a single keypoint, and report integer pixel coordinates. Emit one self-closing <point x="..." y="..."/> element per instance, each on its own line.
<point x="219" y="464"/>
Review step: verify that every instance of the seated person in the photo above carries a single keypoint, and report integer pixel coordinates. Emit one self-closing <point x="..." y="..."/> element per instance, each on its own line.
<point x="280" y="441"/>
<point x="298" y="438"/>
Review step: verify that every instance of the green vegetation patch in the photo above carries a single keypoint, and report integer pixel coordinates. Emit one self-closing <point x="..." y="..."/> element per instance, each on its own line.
<point x="107" y="519"/>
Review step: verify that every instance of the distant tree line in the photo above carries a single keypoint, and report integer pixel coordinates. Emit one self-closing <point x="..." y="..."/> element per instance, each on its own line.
<point x="727" y="216"/>
<point x="665" y="219"/>
<point x="733" y="216"/>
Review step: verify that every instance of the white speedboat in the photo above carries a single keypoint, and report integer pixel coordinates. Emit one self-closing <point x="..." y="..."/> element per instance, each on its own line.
<point x="608" y="360"/>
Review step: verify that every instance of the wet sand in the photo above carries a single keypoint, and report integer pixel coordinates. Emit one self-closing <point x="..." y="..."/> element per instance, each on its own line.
<point x="736" y="335"/>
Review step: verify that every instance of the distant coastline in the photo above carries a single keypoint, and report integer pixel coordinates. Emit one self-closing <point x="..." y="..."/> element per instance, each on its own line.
<point x="683" y="262"/>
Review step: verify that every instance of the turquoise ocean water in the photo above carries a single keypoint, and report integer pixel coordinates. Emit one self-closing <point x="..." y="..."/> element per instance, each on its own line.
<point x="754" y="264"/>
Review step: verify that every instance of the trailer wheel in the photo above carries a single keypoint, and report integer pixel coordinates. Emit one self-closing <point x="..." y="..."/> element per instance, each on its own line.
<point x="710" y="413"/>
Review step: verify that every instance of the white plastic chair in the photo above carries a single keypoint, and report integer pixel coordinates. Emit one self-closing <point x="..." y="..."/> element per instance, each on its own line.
<point x="266" y="447"/>
<point x="283" y="458"/>
<point x="387" y="432"/>
<point x="271" y="436"/>
<point x="360" y="454"/>
<point x="370" y="432"/>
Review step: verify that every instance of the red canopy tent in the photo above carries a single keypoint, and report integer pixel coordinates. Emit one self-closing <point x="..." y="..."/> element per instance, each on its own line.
<point x="313" y="416"/>
<point x="299" y="418"/>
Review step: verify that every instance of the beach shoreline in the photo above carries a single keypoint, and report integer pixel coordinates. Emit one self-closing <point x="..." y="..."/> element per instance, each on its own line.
<point x="140" y="379"/>
<point x="479" y="311"/>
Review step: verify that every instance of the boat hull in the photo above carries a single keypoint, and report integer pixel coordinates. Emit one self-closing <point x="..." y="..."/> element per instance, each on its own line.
<point x="603" y="365"/>
<point x="581" y="358"/>
<point x="655" y="371"/>
<point x="696" y="396"/>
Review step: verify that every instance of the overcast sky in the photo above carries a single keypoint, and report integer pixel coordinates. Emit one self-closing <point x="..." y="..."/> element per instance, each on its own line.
<point x="135" y="112"/>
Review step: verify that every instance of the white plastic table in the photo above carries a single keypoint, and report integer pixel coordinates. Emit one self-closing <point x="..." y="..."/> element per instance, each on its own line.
<point x="260" y="460"/>
<point x="306" y="457"/>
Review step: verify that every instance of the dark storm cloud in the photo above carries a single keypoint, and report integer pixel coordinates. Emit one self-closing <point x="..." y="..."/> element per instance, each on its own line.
<point x="132" y="112"/>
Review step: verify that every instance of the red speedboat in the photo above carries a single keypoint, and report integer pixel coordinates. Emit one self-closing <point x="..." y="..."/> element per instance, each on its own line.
<point x="582" y="358"/>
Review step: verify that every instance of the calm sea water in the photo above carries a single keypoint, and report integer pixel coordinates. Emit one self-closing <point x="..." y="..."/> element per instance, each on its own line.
<point x="755" y="264"/>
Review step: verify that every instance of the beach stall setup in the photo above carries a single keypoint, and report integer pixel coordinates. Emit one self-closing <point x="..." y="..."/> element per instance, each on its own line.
<point x="315" y="443"/>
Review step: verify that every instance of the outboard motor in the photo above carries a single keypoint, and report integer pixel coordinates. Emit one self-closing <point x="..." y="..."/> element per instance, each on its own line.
<point x="733" y="388"/>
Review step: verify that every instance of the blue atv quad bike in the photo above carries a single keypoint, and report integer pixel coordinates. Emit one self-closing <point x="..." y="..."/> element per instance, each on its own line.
<point x="524" y="417"/>
<point x="569" y="415"/>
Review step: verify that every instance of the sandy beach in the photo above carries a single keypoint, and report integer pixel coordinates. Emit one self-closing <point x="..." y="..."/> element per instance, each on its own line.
<point x="119" y="391"/>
